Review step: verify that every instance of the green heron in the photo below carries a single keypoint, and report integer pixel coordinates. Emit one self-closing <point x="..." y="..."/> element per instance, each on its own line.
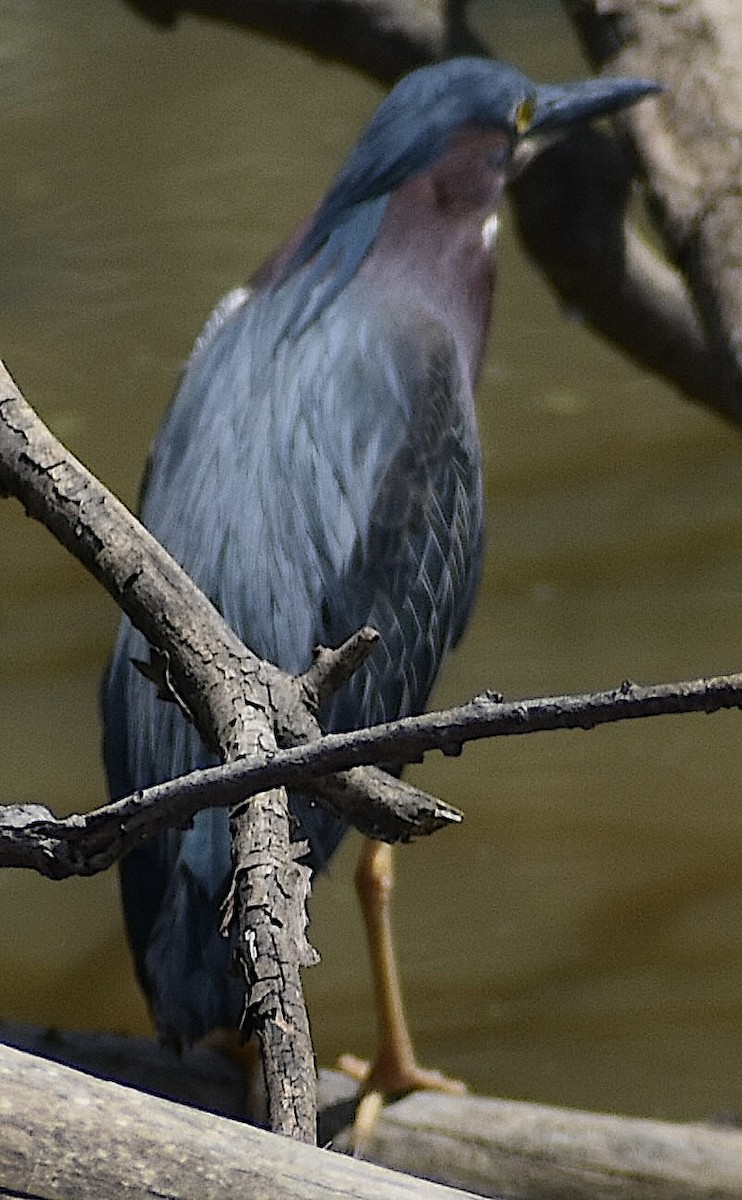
<point x="319" y="469"/>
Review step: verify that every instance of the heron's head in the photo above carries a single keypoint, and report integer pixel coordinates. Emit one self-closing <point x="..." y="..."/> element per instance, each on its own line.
<point x="412" y="129"/>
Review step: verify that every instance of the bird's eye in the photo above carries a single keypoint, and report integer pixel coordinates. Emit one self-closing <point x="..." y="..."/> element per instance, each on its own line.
<point x="523" y="115"/>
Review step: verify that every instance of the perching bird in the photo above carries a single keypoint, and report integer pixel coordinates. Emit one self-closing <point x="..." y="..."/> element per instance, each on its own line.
<point x="319" y="470"/>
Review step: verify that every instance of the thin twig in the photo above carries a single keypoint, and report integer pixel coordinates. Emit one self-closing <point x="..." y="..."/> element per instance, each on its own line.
<point x="331" y="668"/>
<point x="79" y="845"/>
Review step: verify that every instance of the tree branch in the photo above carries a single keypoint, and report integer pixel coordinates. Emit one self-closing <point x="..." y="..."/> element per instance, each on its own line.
<point x="86" y="843"/>
<point x="382" y="38"/>
<point x="689" y="145"/>
<point x="83" y="844"/>
<point x="232" y="697"/>
<point x="230" y="685"/>
<point x="571" y="210"/>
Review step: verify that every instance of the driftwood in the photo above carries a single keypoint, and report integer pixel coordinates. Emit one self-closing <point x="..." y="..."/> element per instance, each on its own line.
<point x="689" y="146"/>
<point x="197" y="653"/>
<point x="199" y="656"/>
<point x="534" y="1152"/>
<point x="238" y="702"/>
<point x="85" y="843"/>
<point x="67" y="1134"/>
<point x="56" y="1120"/>
<point x="230" y="697"/>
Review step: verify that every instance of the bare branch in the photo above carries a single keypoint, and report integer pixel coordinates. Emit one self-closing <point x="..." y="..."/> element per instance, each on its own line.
<point x="232" y="697"/>
<point x="86" y="843"/>
<point x="331" y="668"/>
<point x="82" y="844"/>
<point x="689" y="145"/>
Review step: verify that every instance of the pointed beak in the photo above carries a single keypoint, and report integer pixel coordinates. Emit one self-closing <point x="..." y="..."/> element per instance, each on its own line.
<point x="561" y="104"/>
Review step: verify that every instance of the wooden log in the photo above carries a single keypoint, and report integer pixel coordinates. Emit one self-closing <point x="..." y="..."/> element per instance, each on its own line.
<point x="200" y="1076"/>
<point x="68" y="1134"/>
<point x="491" y="1147"/>
<point x="535" y="1152"/>
<point x="688" y="142"/>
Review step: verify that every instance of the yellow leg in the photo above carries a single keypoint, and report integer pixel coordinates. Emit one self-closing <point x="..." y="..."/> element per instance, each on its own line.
<point x="395" y="1070"/>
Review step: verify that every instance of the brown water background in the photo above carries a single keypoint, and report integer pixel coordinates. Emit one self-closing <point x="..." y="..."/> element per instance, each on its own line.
<point x="579" y="939"/>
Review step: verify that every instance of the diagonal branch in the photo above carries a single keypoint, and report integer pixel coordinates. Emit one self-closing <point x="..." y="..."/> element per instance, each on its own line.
<point x="383" y="38"/>
<point x="232" y="697"/>
<point x="86" y="843"/>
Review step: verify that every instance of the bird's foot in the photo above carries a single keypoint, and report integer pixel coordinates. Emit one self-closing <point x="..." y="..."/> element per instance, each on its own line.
<point x="395" y="1078"/>
<point x="388" y="1079"/>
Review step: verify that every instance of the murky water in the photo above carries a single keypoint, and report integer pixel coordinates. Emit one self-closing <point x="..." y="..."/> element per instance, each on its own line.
<point x="578" y="940"/>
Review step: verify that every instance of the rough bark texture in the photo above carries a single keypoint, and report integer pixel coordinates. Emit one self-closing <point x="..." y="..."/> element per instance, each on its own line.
<point x="234" y="699"/>
<point x="30" y="836"/>
<point x="222" y="684"/>
<point x="272" y="887"/>
<point x="201" y="653"/>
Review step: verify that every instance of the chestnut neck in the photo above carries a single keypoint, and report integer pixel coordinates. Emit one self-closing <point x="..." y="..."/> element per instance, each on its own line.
<point x="435" y="246"/>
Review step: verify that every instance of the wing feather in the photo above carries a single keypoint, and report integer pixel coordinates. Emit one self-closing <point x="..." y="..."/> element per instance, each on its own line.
<point x="308" y="489"/>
